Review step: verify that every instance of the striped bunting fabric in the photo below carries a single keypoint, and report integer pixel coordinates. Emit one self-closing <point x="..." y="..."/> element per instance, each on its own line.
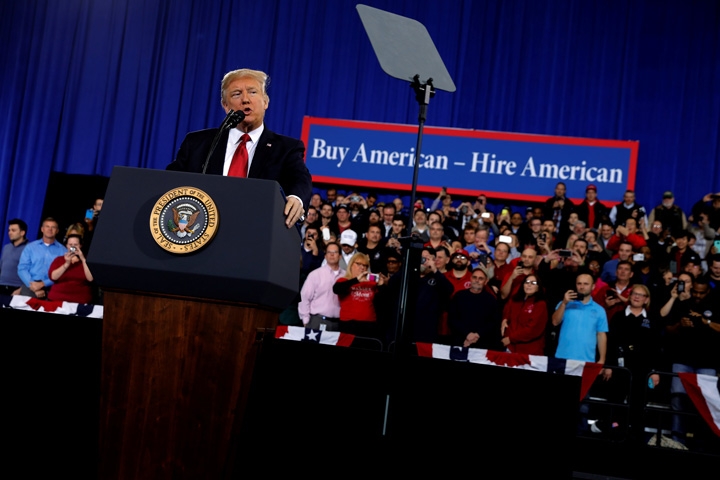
<point x="558" y="366"/>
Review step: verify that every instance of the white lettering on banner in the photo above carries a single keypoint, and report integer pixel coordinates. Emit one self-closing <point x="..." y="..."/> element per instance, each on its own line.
<point x="499" y="167"/>
<point x="572" y="172"/>
<point x="322" y="150"/>
<point x="482" y="163"/>
<point x="400" y="159"/>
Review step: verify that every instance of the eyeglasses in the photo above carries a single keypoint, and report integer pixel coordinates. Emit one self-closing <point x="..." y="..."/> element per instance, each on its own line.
<point x="462" y="257"/>
<point x="530" y="282"/>
<point x="364" y="265"/>
<point x="638" y="294"/>
<point x="392" y="261"/>
<point x="332" y="252"/>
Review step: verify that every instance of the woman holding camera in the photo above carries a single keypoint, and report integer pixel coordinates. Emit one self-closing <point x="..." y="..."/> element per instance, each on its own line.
<point x="356" y="292"/>
<point x="71" y="275"/>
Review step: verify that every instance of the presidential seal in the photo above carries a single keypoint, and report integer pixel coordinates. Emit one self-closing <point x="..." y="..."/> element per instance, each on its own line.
<point x="183" y="220"/>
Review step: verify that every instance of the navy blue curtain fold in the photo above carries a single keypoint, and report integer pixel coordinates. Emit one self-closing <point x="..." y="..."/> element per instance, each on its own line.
<point x="90" y="84"/>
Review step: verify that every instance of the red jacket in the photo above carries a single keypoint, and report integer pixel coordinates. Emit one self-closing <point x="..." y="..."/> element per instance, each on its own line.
<point x="526" y="326"/>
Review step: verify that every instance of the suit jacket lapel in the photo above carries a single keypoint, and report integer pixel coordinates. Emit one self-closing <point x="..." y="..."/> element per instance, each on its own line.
<point x="217" y="160"/>
<point x="262" y="152"/>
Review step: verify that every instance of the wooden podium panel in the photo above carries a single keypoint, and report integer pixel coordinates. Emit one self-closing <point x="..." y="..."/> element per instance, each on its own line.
<point x="175" y="374"/>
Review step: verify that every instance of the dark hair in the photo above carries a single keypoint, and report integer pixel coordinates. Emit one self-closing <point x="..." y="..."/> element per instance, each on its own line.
<point x="540" y="295"/>
<point x="74" y="235"/>
<point x="430" y="250"/>
<point x="624" y="262"/>
<point x="333" y="242"/>
<point x="21" y="224"/>
<point x="390" y="205"/>
<point x="397" y="217"/>
<point x="447" y="252"/>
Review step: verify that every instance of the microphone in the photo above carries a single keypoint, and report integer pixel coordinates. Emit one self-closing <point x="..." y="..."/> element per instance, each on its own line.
<point x="232" y="119"/>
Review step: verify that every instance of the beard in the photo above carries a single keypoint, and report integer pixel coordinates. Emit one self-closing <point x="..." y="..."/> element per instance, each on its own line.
<point x="459" y="266"/>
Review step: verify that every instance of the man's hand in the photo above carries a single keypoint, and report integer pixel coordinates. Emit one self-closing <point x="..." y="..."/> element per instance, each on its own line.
<point x="37" y="286"/>
<point x="471" y="338"/>
<point x="293" y="211"/>
<point x="606" y="373"/>
<point x="569" y="296"/>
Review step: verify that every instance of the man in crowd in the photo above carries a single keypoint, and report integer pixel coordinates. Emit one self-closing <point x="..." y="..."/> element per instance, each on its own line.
<point x="372" y="245"/>
<point x="590" y="210"/>
<point x="627" y="209"/>
<point x="616" y="295"/>
<point x="627" y="233"/>
<point x="480" y="251"/>
<point x="523" y="267"/>
<point x="558" y="208"/>
<point x="713" y="274"/>
<point x="609" y="273"/>
<point x="584" y="324"/>
<point x="348" y="246"/>
<point x="388" y="214"/>
<point x="311" y="253"/>
<point x="681" y="252"/>
<point x="319" y="307"/>
<point x="474" y="316"/>
<point x="9" y="280"/>
<point x="310" y="218"/>
<point x="442" y="259"/>
<point x="459" y="275"/>
<point x="36" y="258"/>
<point x="434" y="291"/>
<point x="671" y="216"/>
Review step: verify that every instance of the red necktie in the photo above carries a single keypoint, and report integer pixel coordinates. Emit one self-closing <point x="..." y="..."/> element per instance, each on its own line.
<point x="239" y="164"/>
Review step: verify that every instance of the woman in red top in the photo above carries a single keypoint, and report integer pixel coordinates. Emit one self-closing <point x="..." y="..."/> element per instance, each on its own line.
<point x="524" y="319"/>
<point x="356" y="292"/>
<point x="71" y="275"/>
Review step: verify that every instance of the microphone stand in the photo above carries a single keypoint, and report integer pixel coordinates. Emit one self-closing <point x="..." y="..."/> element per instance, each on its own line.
<point x="231" y="121"/>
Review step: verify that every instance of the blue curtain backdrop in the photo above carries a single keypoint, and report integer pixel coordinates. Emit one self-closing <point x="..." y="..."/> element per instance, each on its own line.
<point x="90" y="84"/>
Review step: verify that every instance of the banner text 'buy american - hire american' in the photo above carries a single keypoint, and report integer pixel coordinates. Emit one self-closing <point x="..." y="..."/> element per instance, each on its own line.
<point x="467" y="162"/>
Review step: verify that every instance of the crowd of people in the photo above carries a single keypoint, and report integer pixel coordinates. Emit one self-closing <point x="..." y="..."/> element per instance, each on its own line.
<point x="46" y="268"/>
<point x="623" y="285"/>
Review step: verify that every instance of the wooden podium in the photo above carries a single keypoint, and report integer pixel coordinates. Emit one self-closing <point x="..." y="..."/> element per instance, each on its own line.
<point x="179" y="329"/>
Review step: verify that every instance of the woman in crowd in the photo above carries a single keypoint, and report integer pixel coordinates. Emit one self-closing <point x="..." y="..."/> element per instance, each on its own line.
<point x="71" y="275"/>
<point x="356" y="292"/>
<point x="524" y="319"/>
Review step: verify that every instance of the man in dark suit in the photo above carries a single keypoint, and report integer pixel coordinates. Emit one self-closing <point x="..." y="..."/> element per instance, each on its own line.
<point x="269" y="156"/>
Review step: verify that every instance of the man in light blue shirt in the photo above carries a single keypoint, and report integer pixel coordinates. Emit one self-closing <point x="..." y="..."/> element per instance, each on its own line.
<point x="584" y="324"/>
<point x="36" y="259"/>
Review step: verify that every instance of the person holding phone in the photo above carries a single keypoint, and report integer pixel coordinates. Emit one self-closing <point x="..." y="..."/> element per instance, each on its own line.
<point x="356" y="292"/>
<point x="71" y="275"/>
<point x="584" y="324"/>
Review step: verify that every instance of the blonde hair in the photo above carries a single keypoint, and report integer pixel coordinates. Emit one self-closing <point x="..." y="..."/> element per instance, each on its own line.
<point x="261" y="77"/>
<point x="355" y="258"/>
<point x="645" y="290"/>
